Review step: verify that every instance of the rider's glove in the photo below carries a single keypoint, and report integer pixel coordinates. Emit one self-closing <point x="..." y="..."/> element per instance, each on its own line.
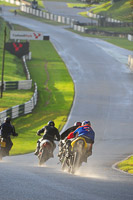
<point x="38" y="133"/>
<point x="15" y="134"/>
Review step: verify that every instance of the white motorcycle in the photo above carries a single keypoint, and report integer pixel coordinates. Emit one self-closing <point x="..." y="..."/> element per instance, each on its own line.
<point x="46" y="151"/>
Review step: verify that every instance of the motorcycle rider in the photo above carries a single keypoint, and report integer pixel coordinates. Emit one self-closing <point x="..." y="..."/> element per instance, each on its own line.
<point x="88" y="134"/>
<point x="7" y="129"/>
<point x="65" y="137"/>
<point x="69" y="130"/>
<point x="50" y="132"/>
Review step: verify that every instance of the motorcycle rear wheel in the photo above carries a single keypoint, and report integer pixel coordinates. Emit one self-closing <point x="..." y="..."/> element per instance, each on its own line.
<point x="43" y="157"/>
<point x="76" y="162"/>
<point x="64" y="164"/>
<point x="0" y="155"/>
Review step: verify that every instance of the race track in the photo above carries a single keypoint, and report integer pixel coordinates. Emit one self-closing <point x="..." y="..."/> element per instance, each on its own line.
<point x="103" y="95"/>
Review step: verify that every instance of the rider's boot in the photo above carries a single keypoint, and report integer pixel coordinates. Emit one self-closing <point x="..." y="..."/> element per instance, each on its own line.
<point x="88" y="153"/>
<point x="37" y="149"/>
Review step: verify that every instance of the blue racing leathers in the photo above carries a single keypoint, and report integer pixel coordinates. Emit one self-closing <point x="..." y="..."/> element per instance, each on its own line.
<point x="85" y="131"/>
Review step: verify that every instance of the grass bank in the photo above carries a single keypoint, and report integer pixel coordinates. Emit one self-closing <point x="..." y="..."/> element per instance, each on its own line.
<point x="121" y="10"/>
<point x="14" y="97"/>
<point x="126" y="165"/>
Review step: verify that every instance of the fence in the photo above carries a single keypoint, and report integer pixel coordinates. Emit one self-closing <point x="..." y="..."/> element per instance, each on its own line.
<point x="24" y="58"/>
<point x="47" y="15"/>
<point x="110" y="21"/>
<point x="130" y="37"/>
<point x="17" y="85"/>
<point x="130" y="62"/>
<point x="20" y="85"/>
<point x="19" y="110"/>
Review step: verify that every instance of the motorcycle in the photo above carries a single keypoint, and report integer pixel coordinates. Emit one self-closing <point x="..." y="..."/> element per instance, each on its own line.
<point x="73" y="154"/>
<point x="3" y="148"/>
<point x="6" y="145"/>
<point x="46" y="151"/>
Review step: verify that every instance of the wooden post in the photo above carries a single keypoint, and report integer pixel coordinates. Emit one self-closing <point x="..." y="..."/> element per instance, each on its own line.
<point x="2" y="76"/>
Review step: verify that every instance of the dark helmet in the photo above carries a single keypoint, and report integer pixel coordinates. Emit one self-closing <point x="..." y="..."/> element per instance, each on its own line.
<point x="51" y="123"/>
<point x="77" y="124"/>
<point x="86" y="122"/>
<point x="7" y="119"/>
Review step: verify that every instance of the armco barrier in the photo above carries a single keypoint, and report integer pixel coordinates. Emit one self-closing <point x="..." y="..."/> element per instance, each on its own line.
<point x="19" y="110"/>
<point x="24" y="58"/>
<point x="108" y="19"/>
<point x="130" y="62"/>
<point x="130" y="37"/>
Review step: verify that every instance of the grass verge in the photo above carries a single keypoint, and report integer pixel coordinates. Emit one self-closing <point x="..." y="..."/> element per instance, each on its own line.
<point x="126" y="165"/>
<point x="78" y="5"/>
<point x="14" y="97"/>
<point x="7" y="4"/>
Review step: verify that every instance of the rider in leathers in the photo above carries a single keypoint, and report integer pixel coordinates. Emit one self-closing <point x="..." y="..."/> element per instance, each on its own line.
<point x="88" y="134"/>
<point x="50" y="132"/>
<point x="7" y="129"/>
<point x="70" y="129"/>
<point x="64" y="137"/>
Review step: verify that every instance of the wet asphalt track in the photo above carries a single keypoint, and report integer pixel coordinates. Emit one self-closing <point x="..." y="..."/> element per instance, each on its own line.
<point x="104" y="95"/>
<point x="60" y="8"/>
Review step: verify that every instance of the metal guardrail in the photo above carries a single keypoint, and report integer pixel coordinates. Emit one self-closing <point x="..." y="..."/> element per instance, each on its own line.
<point x="130" y="62"/>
